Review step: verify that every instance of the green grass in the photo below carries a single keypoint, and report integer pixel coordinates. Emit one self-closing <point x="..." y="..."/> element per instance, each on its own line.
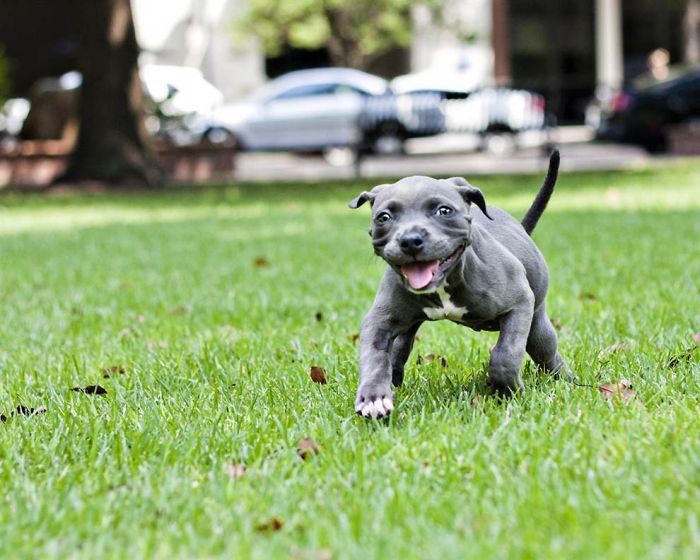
<point x="216" y="353"/>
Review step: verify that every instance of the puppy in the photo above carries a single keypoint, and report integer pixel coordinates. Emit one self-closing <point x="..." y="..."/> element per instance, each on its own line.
<point x="479" y="269"/>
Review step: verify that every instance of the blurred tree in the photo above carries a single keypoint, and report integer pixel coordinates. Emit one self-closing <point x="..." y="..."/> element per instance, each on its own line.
<point x="4" y="76"/>
<point x="112" y="142"/>
<point x="354" y="32"/>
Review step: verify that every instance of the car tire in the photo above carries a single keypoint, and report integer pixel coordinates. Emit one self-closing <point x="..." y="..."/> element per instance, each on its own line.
<point x="387" y="140"/>
<point x="340" y="156"/>
<point x="498" y="143"/>
<point x="219" y="136"/>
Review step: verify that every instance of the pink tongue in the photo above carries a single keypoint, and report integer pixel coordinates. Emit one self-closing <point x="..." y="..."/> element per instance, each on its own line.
<point x="419" y="274"/>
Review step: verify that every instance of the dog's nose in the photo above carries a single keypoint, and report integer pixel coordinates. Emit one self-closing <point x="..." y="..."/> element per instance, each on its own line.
<point x="412" y="242"/>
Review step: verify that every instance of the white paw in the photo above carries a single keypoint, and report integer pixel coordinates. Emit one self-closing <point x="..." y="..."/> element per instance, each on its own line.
<point x="378" y="407"/>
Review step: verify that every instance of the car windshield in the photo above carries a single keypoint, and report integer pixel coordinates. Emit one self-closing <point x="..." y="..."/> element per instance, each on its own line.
<point x="320" y="82"/>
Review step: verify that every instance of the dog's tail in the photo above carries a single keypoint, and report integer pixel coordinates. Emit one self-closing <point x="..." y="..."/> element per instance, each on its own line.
<point x="533" y="214"/>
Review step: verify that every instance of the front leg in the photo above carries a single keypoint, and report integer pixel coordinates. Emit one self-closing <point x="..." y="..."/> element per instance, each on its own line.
<point x="400" y="351"/>
<point x="508" y="354"/>
<point x="374" y="394"/>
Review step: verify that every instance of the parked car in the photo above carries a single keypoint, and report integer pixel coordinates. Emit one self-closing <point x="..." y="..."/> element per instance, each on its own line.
<point x="172" y="93"/>
<point x="643" y="113"/>
<point x="312" y="110"/>
<point x="498" y="115"/>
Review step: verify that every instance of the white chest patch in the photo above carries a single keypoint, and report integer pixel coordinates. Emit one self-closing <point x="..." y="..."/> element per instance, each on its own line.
<point x="448" y="310"/>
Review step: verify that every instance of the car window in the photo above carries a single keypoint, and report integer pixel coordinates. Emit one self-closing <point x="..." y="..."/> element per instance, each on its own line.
<point x="309" y="90"/>
<point x="345" y="88"/>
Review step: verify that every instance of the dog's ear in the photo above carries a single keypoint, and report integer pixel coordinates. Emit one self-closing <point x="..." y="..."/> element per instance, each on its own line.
<point x="360" y="200"/>
<point x="366" y="196"/>
<point x="470" y="194"/>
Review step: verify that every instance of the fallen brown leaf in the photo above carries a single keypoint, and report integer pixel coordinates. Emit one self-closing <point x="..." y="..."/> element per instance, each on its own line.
<point x="621" y="391"/>
<point x="557" y="324"/>
<point x="179" y="310"/>
<point x="261" y="261"/>
<point x="235" y="470"/>
<point x="112" y="371"/>
<point x="24" y="410"/>
<point x="354" y="337"/>
<point x="436" y="358"/>
<point x="91" y="390"/>
<point x="587" y="296"/>
<point x="318" y="375"/>
<point x="274" y="524"/>
<point x="618" y="347"/>
<point x="307" y="448"/>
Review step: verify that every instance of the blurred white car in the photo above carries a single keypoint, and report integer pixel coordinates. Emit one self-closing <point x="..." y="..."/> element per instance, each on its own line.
<point x="306" y="110"/>
<point x="499" y="115"/>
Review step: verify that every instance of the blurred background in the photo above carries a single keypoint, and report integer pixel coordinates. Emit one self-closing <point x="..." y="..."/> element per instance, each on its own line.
<point x="159" y="91"/>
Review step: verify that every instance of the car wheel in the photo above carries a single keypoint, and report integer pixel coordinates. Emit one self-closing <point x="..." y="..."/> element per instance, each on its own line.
<point x="220" y="136"/>
<point x="340" y="156"/>
<point x="498" y="143"/>
<point x="387" y="140"/>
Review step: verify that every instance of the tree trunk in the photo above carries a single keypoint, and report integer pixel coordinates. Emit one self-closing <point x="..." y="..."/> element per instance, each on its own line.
<point x="113" y="144"/>
<point x="691" y="28"/>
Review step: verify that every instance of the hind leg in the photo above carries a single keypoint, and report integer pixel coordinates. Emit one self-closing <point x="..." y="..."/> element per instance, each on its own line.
<point x="400" y="352"/>
<point x="542" y="345"/>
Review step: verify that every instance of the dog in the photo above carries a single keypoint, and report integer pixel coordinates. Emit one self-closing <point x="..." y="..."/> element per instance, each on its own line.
<point x="479" y="269"/>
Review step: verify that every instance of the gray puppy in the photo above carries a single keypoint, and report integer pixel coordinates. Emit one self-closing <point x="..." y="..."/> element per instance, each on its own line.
<point x="481" y="270"/>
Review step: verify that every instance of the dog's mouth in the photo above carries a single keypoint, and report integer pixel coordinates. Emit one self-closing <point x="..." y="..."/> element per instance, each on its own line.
<point x="425" y="275"/>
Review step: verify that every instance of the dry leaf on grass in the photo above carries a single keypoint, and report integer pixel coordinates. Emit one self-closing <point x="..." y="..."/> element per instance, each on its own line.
<point x="618" y="347"/>
<point x="111" y="371"/>
<point x="274" y="524"/>
<point x="318" y="375"/>
<point x="618" y="392"/>
<point x="235" y="470"/>
<point x="557" y="324"/>
<point x="587" y="296"/>
<point x="307" y="448"/>
<point x="179" y="310"/>
<point x="354" y="337"/>
<point x="91" y="390"/>
<point x="24" y="410"/>
<point x="436" y="358"/>
<point x="261" y="261"/>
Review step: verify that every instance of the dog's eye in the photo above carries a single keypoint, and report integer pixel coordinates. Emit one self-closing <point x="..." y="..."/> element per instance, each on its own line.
<point x="382" y="218"/>
<point x="444" y="211"/>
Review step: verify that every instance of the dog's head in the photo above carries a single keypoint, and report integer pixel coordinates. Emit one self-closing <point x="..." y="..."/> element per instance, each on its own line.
<point x="421" y="226"/>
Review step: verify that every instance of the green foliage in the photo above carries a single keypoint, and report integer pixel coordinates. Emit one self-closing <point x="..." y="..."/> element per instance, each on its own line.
<point x="216" y="354"/>
<point x="354" y="32"/>
<point x="4" y="76"/>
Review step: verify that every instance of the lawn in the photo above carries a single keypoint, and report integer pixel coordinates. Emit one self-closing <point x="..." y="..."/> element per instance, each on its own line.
<point x="216" y="302"/>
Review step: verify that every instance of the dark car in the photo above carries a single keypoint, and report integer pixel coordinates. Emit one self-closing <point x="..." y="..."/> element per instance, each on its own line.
<point x="644" y="113"/>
